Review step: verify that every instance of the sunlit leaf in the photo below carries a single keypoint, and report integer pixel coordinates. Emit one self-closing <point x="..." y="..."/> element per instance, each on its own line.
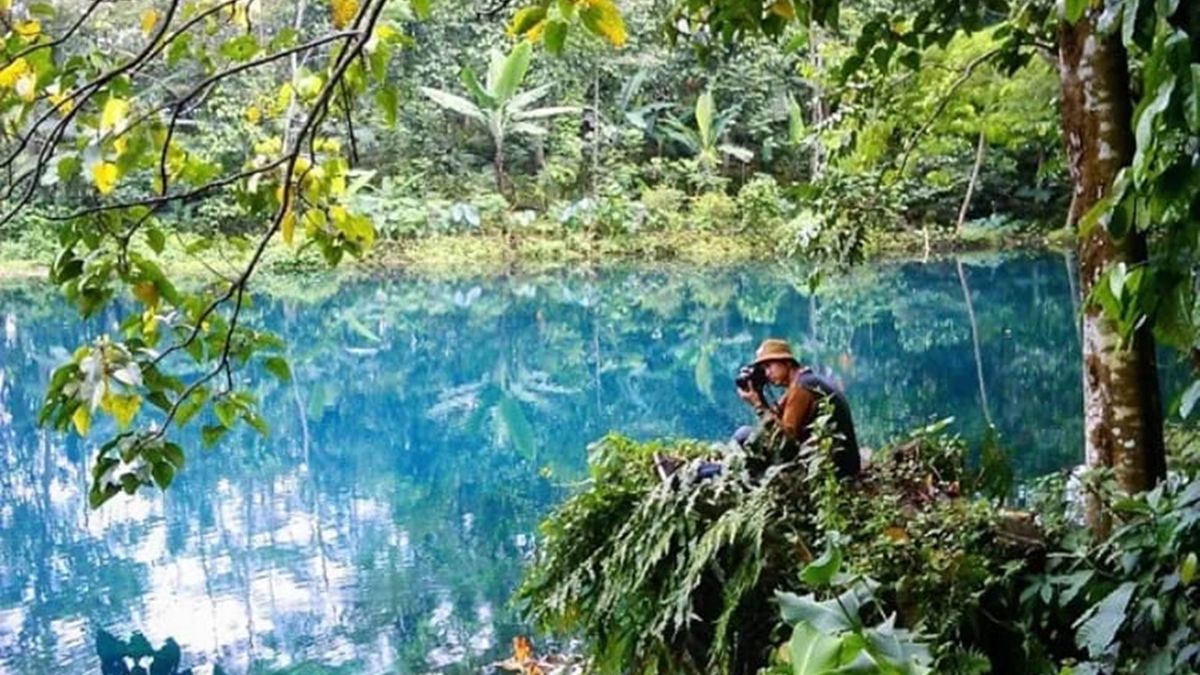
<point x="104" y="175"/>
<point x="149" y="20"/>
<point x="113" y="115"/>
<point x="343" y="12"/>
<point x="604" y="19"/>
<point x="82" y="419"/>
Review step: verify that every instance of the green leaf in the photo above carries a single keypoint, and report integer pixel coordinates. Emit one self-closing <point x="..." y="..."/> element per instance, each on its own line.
<point x="797" y="42"/>
<point x="257" y="423"/>
<point x="163" y="473"/>
<point x="512" y="74"/>
<point x="210" y="434"/>
<point x="190" y="406"/>
<point x="156" y="238"/>
<point x="821" y="572"/>
<point x="42" y="9"/>
<point x="471" y="82"/>
<point x="1188" y="402"/>
<point x="1098" y="628"/>
<point x="1187" y="569"/>
<point x="1144" y="128"/>
<point x="555" y="37"/>
<point x="1192" y="108"/>
<point x="825" y="616"/>
<point x="813" y="652"/>
<point x="226" y="411"/>
<point x="797" y="130"/>
<point x="704" y="118"/>
<point x="421" y="8"/>
<point x="174" y="454"/>
<point x="388" y="100"/>
<point x="240" y="48"/>
<point x="454" y="103"/>
<point x="278" y="366"/>
<point x="1072" y="10"/>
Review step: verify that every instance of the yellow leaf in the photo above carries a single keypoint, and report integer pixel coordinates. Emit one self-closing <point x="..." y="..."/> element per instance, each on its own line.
<point x="288" y="227"/>
<point x="149" y="322"/>
<point x="534" y="34"/>
<point x="896" y="534"/>
<point x="104" y="174"/>
<point x="603" y="18"/>
<point x="284" y="98"/>
<point x="65" y="105"/>
<point x="122" y="408"/>
<point x="28" y="29"/>
<point x="114" y="113"/>
<point x="82" y="419"/>
<point x="783" y="8"/>
<point x="253" y="114"/>
<point x="121" y="144"/>
<point x="27" y="87"/>
<point x="149" y="20"/>
<point x="13" y="72"/>
<point x="147" y="292"/>
<point x="5" y="5"/>
<point x="343" y="12"/>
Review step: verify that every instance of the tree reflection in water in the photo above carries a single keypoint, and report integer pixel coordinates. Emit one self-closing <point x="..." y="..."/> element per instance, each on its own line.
<point x="382" y="525"/>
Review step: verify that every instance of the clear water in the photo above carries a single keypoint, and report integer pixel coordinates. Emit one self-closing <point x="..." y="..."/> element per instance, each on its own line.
<point x="383" y="525"/>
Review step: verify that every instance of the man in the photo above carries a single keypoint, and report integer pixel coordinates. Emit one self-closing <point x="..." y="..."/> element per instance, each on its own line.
<point x="799" y="406"/>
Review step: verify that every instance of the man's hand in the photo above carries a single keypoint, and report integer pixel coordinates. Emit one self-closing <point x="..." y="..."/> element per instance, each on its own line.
<point x="752" y="397"/>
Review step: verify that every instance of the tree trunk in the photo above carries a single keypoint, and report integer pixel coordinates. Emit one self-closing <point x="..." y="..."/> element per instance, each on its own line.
<point x="498" y="166"/>
<point x="966" y="203"/>
<point x="1122" y="413"/>
<point x="817" y="103"/>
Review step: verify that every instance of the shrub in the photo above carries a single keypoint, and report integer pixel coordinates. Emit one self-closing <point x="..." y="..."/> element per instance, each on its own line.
<point x="760" y="203"/>
<point x="664" y="207"/>
<point x="679" y="576"/>
<point x="713" y="211"/>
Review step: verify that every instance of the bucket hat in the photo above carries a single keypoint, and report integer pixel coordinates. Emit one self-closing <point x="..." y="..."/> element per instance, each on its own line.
<point x="774" y="350"/>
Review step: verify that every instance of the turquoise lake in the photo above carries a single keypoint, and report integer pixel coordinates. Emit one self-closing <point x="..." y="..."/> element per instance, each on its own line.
<point x="383" y="524"/>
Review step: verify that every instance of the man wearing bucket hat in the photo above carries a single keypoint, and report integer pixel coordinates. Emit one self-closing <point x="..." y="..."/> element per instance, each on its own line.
<point x="799" y="406"/>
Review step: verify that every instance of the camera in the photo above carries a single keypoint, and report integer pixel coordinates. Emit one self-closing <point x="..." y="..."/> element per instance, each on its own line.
<point x="751" y="376"/>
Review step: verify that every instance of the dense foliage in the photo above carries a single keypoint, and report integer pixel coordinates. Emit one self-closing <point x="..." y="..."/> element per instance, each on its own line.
<point x="685" y="583"/>
<point x="921" y="570"/>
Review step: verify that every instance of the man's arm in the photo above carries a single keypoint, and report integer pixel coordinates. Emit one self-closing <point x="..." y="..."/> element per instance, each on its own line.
<point x="792" y="417"/>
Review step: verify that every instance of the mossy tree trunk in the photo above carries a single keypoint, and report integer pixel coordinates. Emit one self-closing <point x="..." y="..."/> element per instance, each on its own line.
<point x="1122" y="414"/>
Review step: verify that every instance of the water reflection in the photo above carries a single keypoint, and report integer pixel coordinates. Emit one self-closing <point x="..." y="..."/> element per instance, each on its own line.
<point x="381" y="527"/>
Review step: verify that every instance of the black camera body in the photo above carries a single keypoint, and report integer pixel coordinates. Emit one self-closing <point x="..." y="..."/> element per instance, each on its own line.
<point x="751" y="376"/>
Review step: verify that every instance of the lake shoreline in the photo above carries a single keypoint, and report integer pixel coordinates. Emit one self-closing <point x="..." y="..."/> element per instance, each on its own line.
<point x="465" y="255"/>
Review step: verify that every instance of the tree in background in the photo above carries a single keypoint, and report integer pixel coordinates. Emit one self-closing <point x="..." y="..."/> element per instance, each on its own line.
<point x="498" y="106"/>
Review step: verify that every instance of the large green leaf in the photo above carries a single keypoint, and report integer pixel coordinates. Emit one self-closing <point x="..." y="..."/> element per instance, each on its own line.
<point x="471" y="82"/>
<point x="797" y="130"/>
<point x="737" y="152"/>
<point x="455" y="103"/>
<point x="826" y="616"/>
<point x="704" y="119"/>
<point x="527" y="128"/>
<point x="813" y="652"/>
<point x="820" y="572"/>
<point x="526" y="98"/>
<point x="1098" y="628"/>
<point x="542" y="113"/>
<point x="512" y="73"/>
